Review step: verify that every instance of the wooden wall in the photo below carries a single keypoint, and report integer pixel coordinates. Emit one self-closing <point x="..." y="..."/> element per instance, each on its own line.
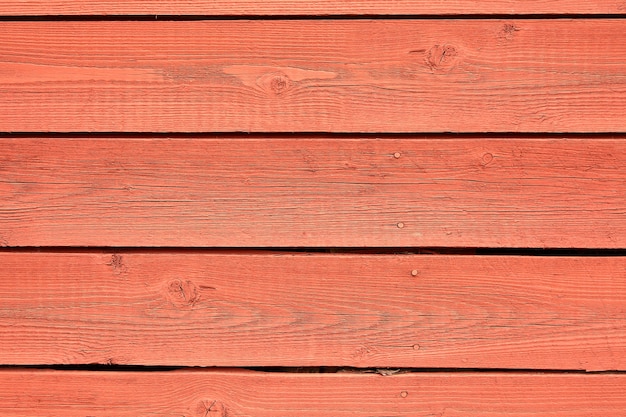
<point x="288" y="208"/>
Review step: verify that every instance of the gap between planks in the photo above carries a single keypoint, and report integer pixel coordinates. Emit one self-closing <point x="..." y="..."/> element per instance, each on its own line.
<point x="383" y="371"/>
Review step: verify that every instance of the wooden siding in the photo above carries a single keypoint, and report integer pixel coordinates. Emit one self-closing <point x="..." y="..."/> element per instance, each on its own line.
<point x="306" y="7"/>
<point x="262" y="309"/>
<point x="333" y="208"/>
<point x="324" y="192"/>
<point x="565" y="75"/>
<point x="240" y="393"/>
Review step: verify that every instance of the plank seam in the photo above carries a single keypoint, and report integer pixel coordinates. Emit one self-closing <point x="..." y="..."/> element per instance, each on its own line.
<point x="306" y="369"/>
<point x="424" y="136"/>
<point x="444" y="251"/>
<point x="143" y="17"/>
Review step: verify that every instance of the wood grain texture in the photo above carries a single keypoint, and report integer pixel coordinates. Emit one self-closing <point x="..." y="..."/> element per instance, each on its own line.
<point x="261" y="192"/>
<point x="559" y="75"/>
<point x="305" y="7"/>
<point x="198" y="393"/>
<point x="311" y="310"/>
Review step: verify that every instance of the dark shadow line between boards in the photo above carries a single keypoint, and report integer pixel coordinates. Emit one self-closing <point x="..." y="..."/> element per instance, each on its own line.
<point x="419" y="251"/>
<point x="313" y="17"/>
<point x="383" y="371"/>
<point x="313" y="135"/>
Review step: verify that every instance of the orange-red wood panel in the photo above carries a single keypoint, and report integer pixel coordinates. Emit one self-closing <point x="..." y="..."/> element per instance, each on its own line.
<point x="199" y="393"/>
<point x="260" y="309"/>
<point x="321" y="75"/>
<point x="305" y="7"/>
<point x="294" y="191"/>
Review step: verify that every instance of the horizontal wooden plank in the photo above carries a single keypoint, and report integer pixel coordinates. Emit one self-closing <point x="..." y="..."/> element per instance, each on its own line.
<point x="302" y="7"/>
<point x="312" y="310"/>
<point x="237" y="192"/>
<point x="317" y="76"/>
<point x="245" y="393"/>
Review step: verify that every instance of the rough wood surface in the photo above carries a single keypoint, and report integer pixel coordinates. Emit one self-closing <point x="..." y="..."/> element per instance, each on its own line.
<point x="305" y="7"/>
<point x="323" y="75"/>
<point x="238" y="192"/>
<point x="199" y="393"/>
<point x="260" y="309"/>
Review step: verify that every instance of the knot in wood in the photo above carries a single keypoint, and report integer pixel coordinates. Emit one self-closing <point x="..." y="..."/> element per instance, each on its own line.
<point x="182" y="294"/>
<point x="279" y="84"/>
<point x="117" y="263"/>
<point x="275" y="84"/>
<point x="442" y="58"/>
<point x="211" y="408"/>
<point x="508" y="31"/>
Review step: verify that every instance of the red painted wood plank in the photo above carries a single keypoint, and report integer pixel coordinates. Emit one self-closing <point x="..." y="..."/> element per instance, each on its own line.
<point x="312" y="310"/>
<point x="238" y="192"/>
<point x="302" y="7"/>
<point x="244" y="393"/>
<point x="322" y="75"/>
